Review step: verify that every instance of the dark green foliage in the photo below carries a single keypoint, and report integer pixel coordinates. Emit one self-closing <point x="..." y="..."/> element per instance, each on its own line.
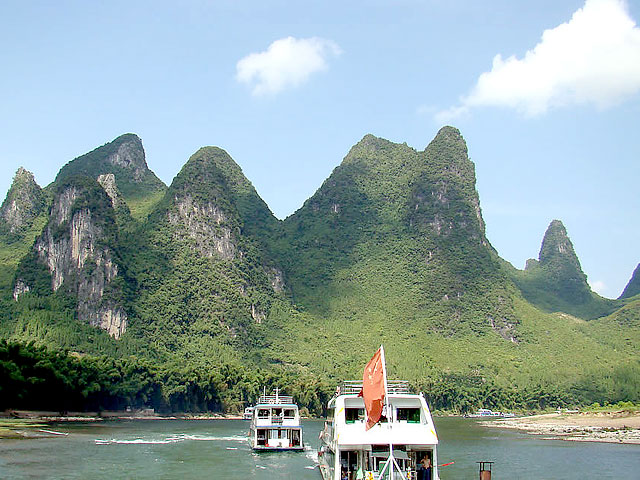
<point x="34" y="274"/>
<point x="37" y="378"/>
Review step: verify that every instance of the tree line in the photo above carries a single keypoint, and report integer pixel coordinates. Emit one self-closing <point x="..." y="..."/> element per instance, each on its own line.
<point x="36" y="378"/>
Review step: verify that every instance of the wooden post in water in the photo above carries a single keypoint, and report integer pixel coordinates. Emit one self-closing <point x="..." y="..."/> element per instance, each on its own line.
<point x="485" y="470"/>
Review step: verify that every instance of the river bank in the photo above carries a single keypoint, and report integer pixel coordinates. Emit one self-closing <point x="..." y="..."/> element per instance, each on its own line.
<point x="610" y="427"/>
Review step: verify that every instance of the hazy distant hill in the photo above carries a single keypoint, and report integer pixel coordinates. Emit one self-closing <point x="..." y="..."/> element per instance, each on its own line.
<point x="202" y="281"/>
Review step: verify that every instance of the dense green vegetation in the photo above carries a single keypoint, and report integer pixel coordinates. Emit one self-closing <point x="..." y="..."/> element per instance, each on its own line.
<point x="223" y="299"/>
<point x="36" y="378"/>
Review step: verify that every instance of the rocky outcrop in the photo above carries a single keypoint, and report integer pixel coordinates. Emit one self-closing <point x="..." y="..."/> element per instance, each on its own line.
<point x="206" y="225"/>
<point x="77" y="247"/>
<point x="276" y="277"/>
<point x="24" y="202"/>
<point x="130" y="156"/>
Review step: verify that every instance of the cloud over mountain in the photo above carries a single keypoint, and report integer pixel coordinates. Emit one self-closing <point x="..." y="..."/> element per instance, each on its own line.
<point x="287" y="62"/>
<point x="592" y="59"/>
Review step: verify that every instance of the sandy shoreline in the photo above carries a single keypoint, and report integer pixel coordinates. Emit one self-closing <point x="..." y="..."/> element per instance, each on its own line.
<point x="610" y="427"/>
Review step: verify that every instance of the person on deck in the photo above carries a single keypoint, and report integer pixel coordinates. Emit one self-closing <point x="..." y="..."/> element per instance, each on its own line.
<point x="424" y="472"/>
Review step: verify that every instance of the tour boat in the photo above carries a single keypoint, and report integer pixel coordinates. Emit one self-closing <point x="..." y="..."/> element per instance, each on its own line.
<point x="275" y="424"/>
<point x="393" y="448"/>
<point x="248" y="413"/>
<point x="485" y="412"/>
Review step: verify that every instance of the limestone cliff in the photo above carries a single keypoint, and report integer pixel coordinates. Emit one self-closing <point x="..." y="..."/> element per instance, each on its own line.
<point x="78" y="249"/>
<point x="24" y="202"/>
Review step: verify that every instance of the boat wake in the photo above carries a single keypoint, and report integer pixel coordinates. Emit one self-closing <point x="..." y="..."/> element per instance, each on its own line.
<point x="177" y="438"/>
<point x="311" y="454"/>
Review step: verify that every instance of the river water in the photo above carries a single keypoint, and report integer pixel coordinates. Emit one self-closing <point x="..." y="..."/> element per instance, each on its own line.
<point x="218" y="449"/>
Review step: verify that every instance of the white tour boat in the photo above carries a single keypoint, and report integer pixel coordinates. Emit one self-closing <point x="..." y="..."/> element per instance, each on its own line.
<point x="377" y="429"/>
<point x="275" y="424"/>
<point x="406" y="430"/>
<point x="248" y="413"/>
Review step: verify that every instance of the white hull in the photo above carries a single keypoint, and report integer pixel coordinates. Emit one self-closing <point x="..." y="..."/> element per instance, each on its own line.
<point x="275" y="424"/>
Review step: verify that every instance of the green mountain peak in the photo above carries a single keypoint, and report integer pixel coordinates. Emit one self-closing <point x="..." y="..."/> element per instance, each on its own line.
<point x="124" y="157"/>
<point x="25" y="200"/>
<point x="633" y="287"/>
<point x="556" y="282"/>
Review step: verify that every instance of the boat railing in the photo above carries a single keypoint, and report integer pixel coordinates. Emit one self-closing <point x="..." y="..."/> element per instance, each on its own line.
<point x="275" y="399"/>
<point x="353" y="387"/>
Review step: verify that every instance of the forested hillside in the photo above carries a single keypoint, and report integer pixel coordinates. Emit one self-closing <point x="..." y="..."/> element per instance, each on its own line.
<point x="194" y="296"/>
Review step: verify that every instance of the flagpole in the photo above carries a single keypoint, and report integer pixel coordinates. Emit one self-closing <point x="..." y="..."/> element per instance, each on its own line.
<point x="390" y="460"/>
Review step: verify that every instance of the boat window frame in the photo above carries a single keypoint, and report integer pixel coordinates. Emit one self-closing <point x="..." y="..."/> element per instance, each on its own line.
<point x="411" y="413"/>
<point x="349" y="418"/>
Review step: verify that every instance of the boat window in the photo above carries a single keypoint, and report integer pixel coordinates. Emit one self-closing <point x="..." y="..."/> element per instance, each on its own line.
<point x="348" y="464"/>
<point x="289" y="413"/>
<point x="263" y="413"/>
<point x="409" y="415"/>
<point x="353" y="414"/>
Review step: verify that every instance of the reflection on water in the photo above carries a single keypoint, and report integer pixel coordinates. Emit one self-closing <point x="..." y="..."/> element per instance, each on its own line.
<point x="194" y="449"/>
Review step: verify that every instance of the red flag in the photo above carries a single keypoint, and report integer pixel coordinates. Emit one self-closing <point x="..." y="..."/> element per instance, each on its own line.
<point x="373" y="388"/>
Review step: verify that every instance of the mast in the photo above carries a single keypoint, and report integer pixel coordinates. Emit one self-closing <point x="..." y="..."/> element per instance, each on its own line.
<point x="391" y="461"/>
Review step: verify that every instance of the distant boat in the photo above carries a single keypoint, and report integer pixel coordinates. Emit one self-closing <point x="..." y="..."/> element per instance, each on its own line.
<point x="485" y="412"/>
<point x="248" y="413"/>
<point x="275" y="424"/>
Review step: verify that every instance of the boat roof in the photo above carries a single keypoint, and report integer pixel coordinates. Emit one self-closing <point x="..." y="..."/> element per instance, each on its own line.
<point x="354" y="387"/>
<point x="418" y="435"/>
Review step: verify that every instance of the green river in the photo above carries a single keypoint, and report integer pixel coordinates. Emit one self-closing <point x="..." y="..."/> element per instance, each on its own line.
<point x="218" y="449"/>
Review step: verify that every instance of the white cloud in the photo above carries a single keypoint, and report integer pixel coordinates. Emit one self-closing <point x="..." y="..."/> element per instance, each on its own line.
<point x="287" y="62"/>
<point x="592" y="59"/>
<point x="598" y="286"/>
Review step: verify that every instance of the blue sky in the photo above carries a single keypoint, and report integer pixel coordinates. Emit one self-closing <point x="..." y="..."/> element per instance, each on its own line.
<point x="545" y="92"/>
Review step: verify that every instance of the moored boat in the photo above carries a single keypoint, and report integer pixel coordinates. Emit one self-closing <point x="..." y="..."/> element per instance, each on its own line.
<point x="275" y="424"/>
<point x="248" y="413"/>
<point x="485" y="412"/>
